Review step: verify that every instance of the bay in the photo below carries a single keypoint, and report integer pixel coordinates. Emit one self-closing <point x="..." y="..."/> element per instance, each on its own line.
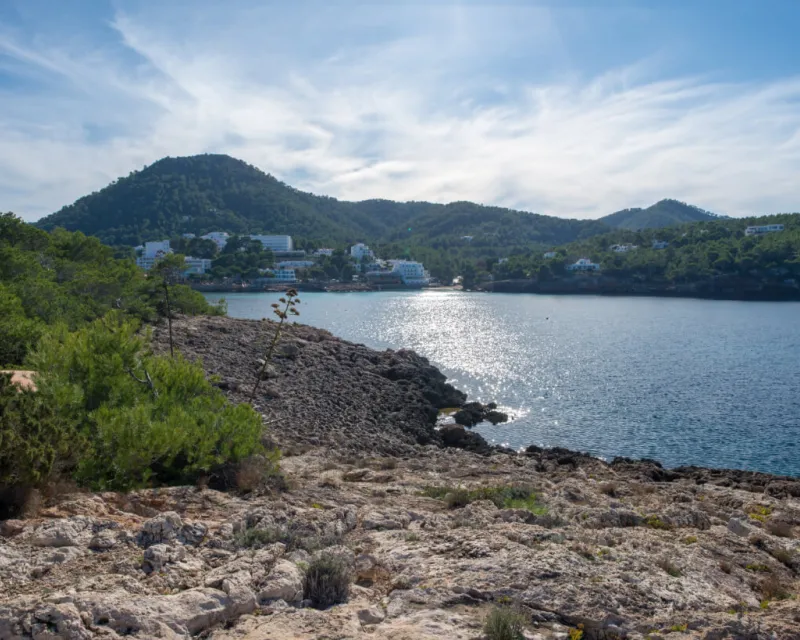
<point x="707" y="383"/>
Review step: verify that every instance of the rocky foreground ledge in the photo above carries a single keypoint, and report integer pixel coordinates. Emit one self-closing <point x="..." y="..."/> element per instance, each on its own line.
<point x="620" y="550"/>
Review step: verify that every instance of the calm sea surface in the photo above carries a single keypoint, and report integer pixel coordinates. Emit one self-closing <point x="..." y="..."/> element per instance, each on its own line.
<point x="682" y="381"/>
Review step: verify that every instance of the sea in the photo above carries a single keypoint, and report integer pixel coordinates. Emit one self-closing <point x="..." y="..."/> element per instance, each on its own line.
<point x="681" y="381"/>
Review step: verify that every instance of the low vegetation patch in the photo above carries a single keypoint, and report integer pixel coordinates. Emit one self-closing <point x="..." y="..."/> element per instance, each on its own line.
<point x="510" y="497"/>
<point x="327" y="582"/>
<point x="670" y="567"/>
<point x="505" y="623"/>
<point x="293" y="537"/>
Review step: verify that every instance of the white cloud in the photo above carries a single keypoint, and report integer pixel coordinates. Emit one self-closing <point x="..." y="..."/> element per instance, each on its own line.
<point x="422" y="111"/>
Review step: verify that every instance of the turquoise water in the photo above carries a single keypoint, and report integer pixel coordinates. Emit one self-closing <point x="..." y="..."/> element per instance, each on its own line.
<point x="681" y="381"/>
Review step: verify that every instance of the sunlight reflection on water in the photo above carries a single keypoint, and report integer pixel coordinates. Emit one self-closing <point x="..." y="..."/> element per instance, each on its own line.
<point x="682" y="381"/>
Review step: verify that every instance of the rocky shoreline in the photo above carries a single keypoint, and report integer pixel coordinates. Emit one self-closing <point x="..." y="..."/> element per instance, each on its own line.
<point x="595" y="550"/>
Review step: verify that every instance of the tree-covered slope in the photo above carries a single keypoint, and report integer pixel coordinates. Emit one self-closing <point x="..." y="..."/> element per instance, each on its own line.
<point x="696" y="252"/>
<point x="69" y="278"/>
<point x="205" y="193"/>
<point x="664" y="213"/>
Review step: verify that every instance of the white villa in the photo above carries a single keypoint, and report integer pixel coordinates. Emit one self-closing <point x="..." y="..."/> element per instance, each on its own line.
<point x="550" y="254"/>
<point x="278" y="244"/>
<point x="323" y="252"/>
<point x="219" y="238"/>
<point x="660" y="244"/>
<point x="196" y="265"/>
<point x="280" y="275"/>
<point x="584" y="264"/>
<point x="622" y="248"/>
<point x="152" y="252"/>
<point x="360" y="251"/>
<point x="767" y="228"/>
<point x="412" y="273"/>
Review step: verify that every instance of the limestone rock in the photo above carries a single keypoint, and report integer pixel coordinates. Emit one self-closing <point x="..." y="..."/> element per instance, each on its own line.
<point x="163" y="528"/>
<point x="284" y="582"/>
<point x="373" y="615"/>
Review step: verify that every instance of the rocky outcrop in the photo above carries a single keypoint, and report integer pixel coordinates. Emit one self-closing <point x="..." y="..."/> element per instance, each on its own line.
<point x="605" y="549"/>
<point x="319" y="389"/>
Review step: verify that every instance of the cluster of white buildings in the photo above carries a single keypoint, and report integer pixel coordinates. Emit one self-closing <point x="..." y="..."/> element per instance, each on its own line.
<point x="622" y="248"/>
<point x="152" y="252"/>
<point x="406" y="272"/>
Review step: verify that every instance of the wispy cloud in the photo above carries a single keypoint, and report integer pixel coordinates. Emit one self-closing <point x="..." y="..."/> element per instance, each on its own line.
<point x="420" y="105"/>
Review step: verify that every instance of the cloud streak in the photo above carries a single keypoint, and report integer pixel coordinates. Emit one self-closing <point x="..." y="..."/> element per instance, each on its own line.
<point x="415" y="109"/>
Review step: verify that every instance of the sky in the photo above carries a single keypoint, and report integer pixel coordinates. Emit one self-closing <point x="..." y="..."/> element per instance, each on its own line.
<point x="568" y="108"/>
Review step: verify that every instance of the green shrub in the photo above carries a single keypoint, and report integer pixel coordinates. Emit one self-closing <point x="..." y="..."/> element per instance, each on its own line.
<point x="327" y="581"/>
<point x="293" y="537"/>
<point x="145" y="419"/>
<point x="32" y="439"/>
<point x="511" y="497"/>
<point x="504" y="623"/>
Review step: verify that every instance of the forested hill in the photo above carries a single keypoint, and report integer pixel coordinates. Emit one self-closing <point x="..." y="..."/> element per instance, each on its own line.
<point x="665" y="213"/>
<point x="695" y="252"/>
<point x="205" y="193"/>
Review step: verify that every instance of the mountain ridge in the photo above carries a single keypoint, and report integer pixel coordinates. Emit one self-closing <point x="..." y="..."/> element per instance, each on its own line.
<point x="201" y="193"/>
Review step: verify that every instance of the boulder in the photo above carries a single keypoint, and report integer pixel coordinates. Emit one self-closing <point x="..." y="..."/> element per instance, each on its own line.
<point x="163" y="528"/>
<point x="284" y="582"/>
<point x="373" y="615"/>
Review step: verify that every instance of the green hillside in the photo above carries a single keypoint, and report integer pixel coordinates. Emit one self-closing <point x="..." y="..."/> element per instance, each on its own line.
<point x="205" y="193"/>
<point x="665" y="213"/>
<point x="69" y="278"/>
<point x="697" y="251"/>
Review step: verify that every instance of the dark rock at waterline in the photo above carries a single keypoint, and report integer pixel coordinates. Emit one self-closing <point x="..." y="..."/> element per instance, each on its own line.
<point x="474" y="413"/>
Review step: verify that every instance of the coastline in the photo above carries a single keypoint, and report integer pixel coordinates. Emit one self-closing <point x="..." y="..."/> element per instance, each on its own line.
<point x="428" y="523"/>
<point x="731" y="289"/>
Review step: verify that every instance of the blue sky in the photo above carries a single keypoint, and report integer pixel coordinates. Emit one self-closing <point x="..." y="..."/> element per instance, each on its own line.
<point x="570" y="108"/>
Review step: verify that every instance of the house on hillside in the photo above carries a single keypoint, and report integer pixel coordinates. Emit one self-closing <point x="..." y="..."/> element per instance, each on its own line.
<point x="549" y="255"/>
<point x="660" y="244"/>
<point x="761" y="230"/>
<point x="584" y="264"/>
<point x="622" y="248"/>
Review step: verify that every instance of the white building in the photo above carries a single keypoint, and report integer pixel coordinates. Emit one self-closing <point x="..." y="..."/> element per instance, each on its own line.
<point x="584" y="264"/>
<point x="275" y="243"/>
<point x="502" y="261"/>
<point x="188" y="236"/>
<point x="156" y="249"/>
<point x="622" y="248"/>
<point x="219" y="238"/>
<point x="193" y="265"/>
<point x="196" y="266"/>
<point x="660" y="244"/>
<point x="280" y="275"/>
<point x="767" y="228"/>
<point x="550" y="254"/>
<point x="361" y="251"/>
<point x="323" y="252"/>
<point x="295" y="264"/>
<point x="411" y="273"/>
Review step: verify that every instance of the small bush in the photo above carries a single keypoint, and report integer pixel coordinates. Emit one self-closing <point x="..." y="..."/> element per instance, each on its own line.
<point x="504" y="623"/>
<point x="654" y="522"/>
<point x="671" y="568"/>
<point x="327" y="582"/>
<point x="610" y="489"/>
<point x="512" y="497"/>
<point x="294" y="537"/>
<point x="34" y="442"/>
<point x="783" y="556"/>
<point x="772" y="588"/>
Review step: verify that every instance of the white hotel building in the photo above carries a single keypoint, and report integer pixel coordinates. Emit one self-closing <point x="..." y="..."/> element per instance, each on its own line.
<point x="277" y="244"/>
